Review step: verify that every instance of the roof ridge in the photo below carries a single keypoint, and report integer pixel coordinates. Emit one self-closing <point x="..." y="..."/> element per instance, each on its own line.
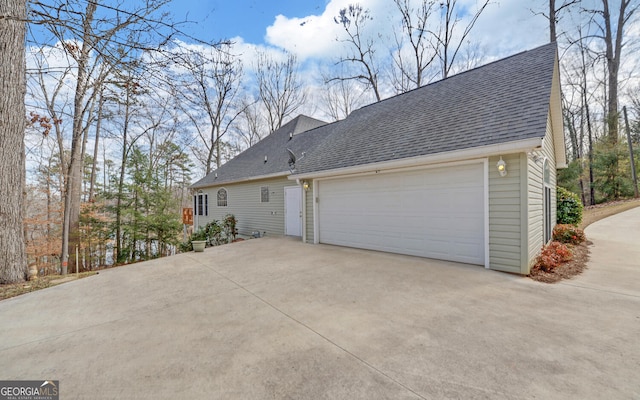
<point x="474" y="69"/>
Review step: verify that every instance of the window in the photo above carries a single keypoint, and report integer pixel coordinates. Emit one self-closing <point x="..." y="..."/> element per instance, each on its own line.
<point x="222" y="197"/>
<point x="546" y="187"/>
<point x="201" y="204"/>
<point x="264" y="194"/>
<point x="547" y="172"/>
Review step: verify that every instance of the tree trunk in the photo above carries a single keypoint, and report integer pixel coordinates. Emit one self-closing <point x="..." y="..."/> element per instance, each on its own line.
<point x="71" y="224"/>
<point x="613" y="56"/>
<point x="552" y="21"/>
<point x="95" y="149"/>
<point x="13" y="259"/>
<point x="123" y="163"/>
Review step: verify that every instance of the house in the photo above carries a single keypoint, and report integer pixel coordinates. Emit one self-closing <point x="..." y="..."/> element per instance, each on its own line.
<point x="463" y="169"/>
<point x="254" y="186"/>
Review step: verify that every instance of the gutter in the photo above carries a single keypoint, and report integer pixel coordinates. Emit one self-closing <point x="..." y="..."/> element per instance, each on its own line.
<point x="449" y="156"/>
<point x="248" y="179"/>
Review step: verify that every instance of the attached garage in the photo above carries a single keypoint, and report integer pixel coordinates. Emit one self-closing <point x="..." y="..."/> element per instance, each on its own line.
<point x="430" y="212"/>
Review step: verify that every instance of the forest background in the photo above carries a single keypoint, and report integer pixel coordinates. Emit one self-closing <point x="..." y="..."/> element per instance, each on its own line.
<point x="126" y="106"/>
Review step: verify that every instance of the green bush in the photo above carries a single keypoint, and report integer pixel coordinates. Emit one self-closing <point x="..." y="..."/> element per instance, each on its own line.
<point x="229" y="226"/>
<point x="565" y="233"/>
<point x="569" y="207"/>
<point x="185" y="247"/>
<point x="214" y="233"/>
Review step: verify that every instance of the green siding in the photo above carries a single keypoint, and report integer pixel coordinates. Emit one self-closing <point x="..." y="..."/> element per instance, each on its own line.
<point x="535" y="194"/>
<point x="309" y="211"/>
<point x="505" y="215"/>
<point x="243" y="200"/>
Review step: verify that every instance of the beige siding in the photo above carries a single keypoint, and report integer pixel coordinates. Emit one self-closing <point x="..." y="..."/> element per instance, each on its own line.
<point x="309" y="214"/>
<point x="243" y="200"/>
<point x="535" y="192"/>
<point x="505" y="215"/>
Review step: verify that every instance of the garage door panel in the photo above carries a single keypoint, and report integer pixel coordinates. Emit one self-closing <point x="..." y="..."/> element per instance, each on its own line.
<point x="436" y="213"/>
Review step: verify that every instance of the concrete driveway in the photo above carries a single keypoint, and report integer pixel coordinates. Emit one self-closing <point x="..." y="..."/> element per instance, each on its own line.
<point x="277" y="319"/>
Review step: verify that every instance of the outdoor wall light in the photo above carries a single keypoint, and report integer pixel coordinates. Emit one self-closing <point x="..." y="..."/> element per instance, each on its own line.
<point x="305" y="186"/>
<point x="502" y="167"/>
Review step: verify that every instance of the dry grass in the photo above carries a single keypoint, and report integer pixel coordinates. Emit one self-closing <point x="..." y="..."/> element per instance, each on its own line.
<point x="16" y="289"/>
<point x="595" y="213"/>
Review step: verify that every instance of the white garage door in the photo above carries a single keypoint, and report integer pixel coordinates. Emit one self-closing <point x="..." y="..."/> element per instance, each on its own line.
<point x="435" y="213"/>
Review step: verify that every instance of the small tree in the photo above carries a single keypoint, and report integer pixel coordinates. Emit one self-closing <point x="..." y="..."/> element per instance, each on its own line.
<point x="569" y="207"/>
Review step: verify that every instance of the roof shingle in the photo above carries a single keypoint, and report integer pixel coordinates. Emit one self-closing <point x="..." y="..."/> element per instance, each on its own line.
<point x="504" y="101"/>
<point x="296" y="135"/>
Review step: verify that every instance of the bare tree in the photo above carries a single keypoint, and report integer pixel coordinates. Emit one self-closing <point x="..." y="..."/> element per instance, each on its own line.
<point x="366" y="71"/>
<point x="448" y="38"/>
<point x="99" y="37"/>
<point x="409" y="69"/>
<point x="13" y="259"/>
<point x="340" y="98"/>
<point x="279" y="87"/>
<point x="614" y="43"/>
<point x="554" y="16"/>
<point x="211" y="86"/>
<point x="250" y="126"/>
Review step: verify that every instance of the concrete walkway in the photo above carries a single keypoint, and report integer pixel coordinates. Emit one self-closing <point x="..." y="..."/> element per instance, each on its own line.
<point x="275" y="318"/>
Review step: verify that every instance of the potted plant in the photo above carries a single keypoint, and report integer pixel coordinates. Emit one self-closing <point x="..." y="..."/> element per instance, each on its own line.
<point x="199" y="239"/>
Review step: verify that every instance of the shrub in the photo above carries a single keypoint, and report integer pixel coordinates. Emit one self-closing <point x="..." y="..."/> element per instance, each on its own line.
<point x="214" y="233"/>
<point x="565" y="233"/>
<point x="185" y="247"/>
<point x="199" y="234"/>
<point x="229" y="225"/>
<point x="569" y="207"/>
<point x="552" y="255"/>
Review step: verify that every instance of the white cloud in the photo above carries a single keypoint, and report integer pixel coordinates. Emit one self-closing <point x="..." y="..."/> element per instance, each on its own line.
<point x="504" y="28"/>
<point x="315" y="36"/>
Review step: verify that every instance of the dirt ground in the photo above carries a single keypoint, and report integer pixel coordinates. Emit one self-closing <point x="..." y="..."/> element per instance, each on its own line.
<point x="16" y="289"/>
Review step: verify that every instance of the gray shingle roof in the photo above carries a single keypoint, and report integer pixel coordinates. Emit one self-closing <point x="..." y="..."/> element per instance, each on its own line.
<point x="504" y="101"/>
<point x="250" y="163"/>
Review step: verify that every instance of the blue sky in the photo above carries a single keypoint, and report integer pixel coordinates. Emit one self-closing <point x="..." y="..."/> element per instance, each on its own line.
<point x="249" y="19"/>
<point x="306" y="27"/>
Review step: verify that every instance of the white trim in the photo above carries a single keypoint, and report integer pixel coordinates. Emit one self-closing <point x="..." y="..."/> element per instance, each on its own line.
<point x="316" y="228"/>
<point x="252" y="178"/>
<point x="403" y="169"/>
<point x="439" y="158"/>
<point x="526" y="164"/>
<point x="486" y="213"/>
<point x="546" y="185"/>
<point x="301" y="191"/>
<point x="304" y="212"/>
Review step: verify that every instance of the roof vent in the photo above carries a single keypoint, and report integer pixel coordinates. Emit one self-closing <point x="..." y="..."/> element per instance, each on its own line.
<point x="290" y="135"/>
<point x="265" y="159"/>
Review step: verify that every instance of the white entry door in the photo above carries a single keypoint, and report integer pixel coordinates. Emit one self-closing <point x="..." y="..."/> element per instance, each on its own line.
<point x="293" y="211"/>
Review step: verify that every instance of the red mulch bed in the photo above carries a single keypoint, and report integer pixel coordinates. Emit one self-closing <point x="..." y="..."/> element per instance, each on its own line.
<point x="566" y="270"/>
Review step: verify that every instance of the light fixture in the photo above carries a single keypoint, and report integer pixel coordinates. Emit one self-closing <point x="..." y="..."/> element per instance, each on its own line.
<point x="502" y="167"/>
<point x="305" y="185"/>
